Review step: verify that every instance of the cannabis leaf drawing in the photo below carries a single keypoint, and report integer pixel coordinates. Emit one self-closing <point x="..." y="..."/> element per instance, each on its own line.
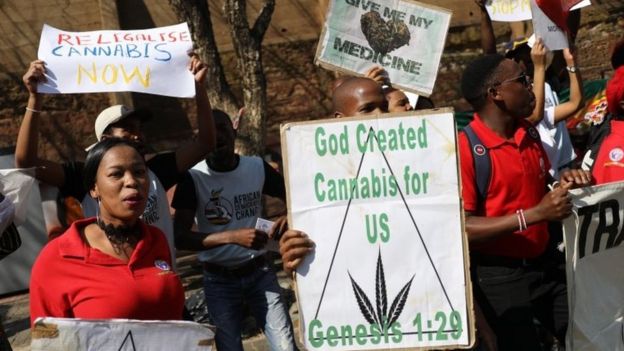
<point x="380" y="315"/>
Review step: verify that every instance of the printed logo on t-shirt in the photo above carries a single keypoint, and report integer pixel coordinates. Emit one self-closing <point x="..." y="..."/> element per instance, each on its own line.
<point x="151" y="215"/>
<point x="247" y="205"/>
<point x="162" y="265"/>
<point x="218" y="210"/>
<point x="616" y="154"/>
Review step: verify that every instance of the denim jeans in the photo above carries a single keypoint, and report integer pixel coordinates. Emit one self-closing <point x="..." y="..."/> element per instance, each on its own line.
<point x="225" y="296"/>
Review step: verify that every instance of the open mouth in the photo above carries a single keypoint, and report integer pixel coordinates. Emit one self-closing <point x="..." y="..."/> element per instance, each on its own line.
<point x="133" y="200"/>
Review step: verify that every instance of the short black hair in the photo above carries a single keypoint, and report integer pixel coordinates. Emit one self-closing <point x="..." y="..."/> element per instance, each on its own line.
<point x="95" y="155"/>
<point x="477" y="77"/>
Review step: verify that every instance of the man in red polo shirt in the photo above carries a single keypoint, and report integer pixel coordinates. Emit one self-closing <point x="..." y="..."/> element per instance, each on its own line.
<point x="609" y="165"/>
<point x="507" y="224"/>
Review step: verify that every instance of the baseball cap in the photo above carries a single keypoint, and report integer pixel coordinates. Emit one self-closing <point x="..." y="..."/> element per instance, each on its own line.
<point x="115" y="114"/>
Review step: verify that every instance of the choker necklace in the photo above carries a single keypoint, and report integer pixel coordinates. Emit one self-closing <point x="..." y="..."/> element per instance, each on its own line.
<point x="122" y="234"/>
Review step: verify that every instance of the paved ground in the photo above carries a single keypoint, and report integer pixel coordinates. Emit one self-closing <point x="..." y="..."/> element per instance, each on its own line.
<point x="15" y="318"/>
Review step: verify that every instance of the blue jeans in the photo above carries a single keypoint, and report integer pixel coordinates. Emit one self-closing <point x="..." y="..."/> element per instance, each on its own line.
<point x="225" y="296"/>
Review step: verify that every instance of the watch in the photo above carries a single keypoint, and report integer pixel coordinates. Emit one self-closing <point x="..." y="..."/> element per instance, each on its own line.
<point x="571" y="69"/>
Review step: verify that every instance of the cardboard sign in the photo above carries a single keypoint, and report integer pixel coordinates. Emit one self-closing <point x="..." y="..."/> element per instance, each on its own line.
<point x="594" y="251"/>
<point x="148" y="61"/>
<point x="403" y="36"/>
<point x="380" y="198"/>
<point x="61" y="334"/>
<point x="554" y="38"/>
<point x="517" y="10"/>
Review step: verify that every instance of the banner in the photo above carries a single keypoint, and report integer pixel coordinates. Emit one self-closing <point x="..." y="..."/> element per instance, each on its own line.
<point x="403" y="36"/>
<point x="147" y="61"/>
<point x="61" y="334"/>
<point x="594" y="251"/>
<point x="517" y="10"/>
<point x="380" y="198"/>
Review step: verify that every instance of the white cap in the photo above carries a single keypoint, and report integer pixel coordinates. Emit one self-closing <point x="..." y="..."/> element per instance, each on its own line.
<point x="109" y="116"/>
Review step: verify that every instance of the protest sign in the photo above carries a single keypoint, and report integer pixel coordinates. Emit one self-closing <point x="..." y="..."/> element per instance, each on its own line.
<point x="553" y="36"/>
<point x="379" y="196"/>
<point x="403" y="36"/>
<point x="148" y="61"/>
<point x="516" y="10"/>
<point x="594" y="251"/>
<point x="60" y="334"/>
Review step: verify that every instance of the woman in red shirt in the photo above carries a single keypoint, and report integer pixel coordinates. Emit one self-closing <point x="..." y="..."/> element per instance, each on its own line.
<point x="113" y="265"/>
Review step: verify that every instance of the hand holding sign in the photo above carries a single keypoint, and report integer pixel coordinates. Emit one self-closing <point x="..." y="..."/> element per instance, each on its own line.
<point x="34" y="76"/>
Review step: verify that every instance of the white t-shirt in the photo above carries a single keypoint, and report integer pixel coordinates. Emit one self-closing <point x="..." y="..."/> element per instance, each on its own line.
<point x="555" y="137"/>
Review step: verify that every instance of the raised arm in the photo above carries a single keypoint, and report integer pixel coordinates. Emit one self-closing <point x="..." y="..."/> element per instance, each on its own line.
<point x="538" y="56"/>
<point x="570" y="107"/>
<point x="188" y="155"/>
<point x="28" y="137"/>
<point x="488" y="41"/>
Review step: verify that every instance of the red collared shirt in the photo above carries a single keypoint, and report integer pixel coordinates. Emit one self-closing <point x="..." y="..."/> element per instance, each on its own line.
<point x="609" y="166"/>
<point x="518" y="181"/>
<point x="70" y="279"/>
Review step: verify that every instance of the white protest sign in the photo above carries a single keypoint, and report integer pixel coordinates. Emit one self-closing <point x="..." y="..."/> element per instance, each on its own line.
<point x="148" y="61"/>
<point x="380" y="198"/>
<point x="594" y="251"/>
<point x="554" y="38"/>
<point x="509" y="10"/>
<point x="517" y="10"/>
<point x="403" y="36"/>
<point x="61" y="334"/>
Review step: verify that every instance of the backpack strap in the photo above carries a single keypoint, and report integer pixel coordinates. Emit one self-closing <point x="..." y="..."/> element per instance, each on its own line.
<point x="482" y="163"/>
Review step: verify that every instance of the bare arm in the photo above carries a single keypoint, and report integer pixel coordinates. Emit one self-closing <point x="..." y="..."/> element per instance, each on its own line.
<point x="568" y="108"/>
<point x="188" y="155"/>
<point x="186" y="239"/>
<point x="555" y="205"/>
<point x="28" y="137"/>
<point x="488" y="41"/>
<point x="538" y="56"/>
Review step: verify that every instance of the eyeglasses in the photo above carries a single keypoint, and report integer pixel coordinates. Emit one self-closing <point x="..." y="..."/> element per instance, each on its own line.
<point x="523" y="79"/>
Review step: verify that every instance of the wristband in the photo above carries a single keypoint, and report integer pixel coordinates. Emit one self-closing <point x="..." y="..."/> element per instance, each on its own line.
<point x="571" y="69"/>
<point x="32" y="110"/>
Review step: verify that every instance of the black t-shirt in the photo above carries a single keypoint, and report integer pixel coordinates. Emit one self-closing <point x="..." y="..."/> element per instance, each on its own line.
<point x="186" y="198"/>
<point x="163" y="165"/>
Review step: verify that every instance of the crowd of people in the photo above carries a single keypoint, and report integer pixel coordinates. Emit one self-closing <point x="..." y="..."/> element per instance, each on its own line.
<point x="119" y="261"/>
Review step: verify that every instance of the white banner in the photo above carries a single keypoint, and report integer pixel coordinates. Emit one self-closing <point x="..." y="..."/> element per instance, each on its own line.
<point x="148" y="61"/>
<point x="594" y="250"/>
<point x="380" y="198"/>
<point x="517" y="10"/>
<point x="403" y="36"/>
<point x="62" y="334"/>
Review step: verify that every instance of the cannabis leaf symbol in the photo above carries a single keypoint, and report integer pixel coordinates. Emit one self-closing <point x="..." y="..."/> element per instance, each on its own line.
<point x="380" y="316"/>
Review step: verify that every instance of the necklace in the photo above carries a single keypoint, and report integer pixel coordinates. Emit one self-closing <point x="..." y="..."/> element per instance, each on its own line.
<point x="122" y="234"/>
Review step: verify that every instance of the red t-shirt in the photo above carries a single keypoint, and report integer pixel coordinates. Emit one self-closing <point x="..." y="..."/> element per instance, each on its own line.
<point x="609" y="165"/>
<point x="518" y="181"/>
<point x="70" y="279"/>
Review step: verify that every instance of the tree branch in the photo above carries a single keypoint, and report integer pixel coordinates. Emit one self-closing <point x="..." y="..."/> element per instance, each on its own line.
<point x="197" y="15"/>
<point x="263" y="21"/>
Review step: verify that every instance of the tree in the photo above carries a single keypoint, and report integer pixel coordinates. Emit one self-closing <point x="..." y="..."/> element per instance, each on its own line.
<point x="247" y="42"/>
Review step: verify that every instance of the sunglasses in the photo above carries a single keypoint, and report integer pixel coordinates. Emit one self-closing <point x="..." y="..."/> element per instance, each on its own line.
<point x="523" y="79"/>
